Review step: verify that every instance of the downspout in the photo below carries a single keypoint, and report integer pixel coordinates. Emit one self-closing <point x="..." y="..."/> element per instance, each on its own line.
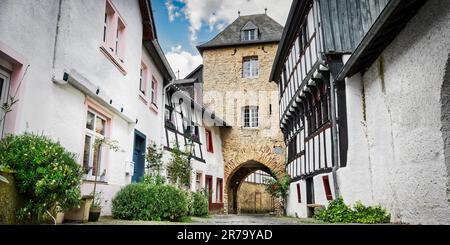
<point x="335" y="66"/>
<point x="55" y="46"/>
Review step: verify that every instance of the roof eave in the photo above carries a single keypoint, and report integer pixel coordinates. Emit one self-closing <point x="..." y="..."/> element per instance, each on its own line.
<point x="162" y="64"/>
<point x="201" y="48"/>
<point x="195" y="71"/>
<point x="380" y="35"/>
<point x="219" y="121"/>
<point x="149" y="29"/>
<point x="288" y="32"/>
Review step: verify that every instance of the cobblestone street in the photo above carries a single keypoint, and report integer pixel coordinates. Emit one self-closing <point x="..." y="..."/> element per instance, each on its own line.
<point x="218" y="220"/>
<point x="252" y="220"/>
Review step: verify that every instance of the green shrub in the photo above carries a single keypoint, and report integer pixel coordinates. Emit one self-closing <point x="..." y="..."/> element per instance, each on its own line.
<point x="370" y="215"/>
<point x="46" y="175"/>
<point x="150" y="202"/>
<point x="339" y="212"/>
<point x="199" y="204"/>
<point x="153" y="179"/>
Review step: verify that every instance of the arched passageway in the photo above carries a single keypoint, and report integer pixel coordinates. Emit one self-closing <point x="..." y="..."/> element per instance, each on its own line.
<point x="241" y="164"/>
<point x="254" y="192"/>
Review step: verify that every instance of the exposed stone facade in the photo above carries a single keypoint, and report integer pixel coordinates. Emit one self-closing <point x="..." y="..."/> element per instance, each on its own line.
<point x="253" y="198"/>
<point x="227" y="92"/>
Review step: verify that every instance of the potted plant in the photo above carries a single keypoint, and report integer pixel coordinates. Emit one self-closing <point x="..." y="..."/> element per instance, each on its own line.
<point x="86" y="171"/>
<point x="96" y="208"/>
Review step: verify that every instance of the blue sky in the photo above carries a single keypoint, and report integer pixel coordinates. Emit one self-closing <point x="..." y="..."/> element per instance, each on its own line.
<point x="183" y="24"/>
<point x="171" y="34"/>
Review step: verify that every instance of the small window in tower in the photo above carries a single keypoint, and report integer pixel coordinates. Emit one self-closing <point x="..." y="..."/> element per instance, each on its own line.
<point x="249" y="35"/>
<point x="250" y="67"/>
<point x="250" y="116"/>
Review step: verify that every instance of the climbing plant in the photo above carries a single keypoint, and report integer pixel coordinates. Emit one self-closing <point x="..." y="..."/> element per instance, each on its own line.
<point x="154" y="159"/>
<point x="279" y="187"/>
<point x="179" y="168"/>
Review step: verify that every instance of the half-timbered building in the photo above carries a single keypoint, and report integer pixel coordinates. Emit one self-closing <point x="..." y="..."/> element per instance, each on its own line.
<point x="192" y="128"/>
<point x="344" y="71"/>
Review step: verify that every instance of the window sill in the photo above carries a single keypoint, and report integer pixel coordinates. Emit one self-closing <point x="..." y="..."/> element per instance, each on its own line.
<point x="92" y="181"/>
<point x="154" y="108"/>
<point x="250" y="129"/>
<point x="143" y="99"/>
<point x="113" y="58"/>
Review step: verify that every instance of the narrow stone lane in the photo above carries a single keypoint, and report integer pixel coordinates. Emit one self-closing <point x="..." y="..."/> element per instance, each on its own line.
<point x="217" y="220"/>
<point x="252" y="220"/>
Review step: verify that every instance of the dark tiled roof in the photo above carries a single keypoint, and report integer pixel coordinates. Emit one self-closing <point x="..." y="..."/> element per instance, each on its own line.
<point x="269" y="29"/>
<point x="197" y="73"/>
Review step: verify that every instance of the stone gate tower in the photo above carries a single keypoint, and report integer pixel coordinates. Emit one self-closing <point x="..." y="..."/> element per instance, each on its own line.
<point x="236" y="70"/>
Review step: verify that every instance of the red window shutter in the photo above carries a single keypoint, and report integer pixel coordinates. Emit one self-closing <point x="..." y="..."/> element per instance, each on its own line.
<point x="299" y="193"/>
<point x="326" y="186"/>
<point x="209" y="143"/>
<point x="220" y="190"/>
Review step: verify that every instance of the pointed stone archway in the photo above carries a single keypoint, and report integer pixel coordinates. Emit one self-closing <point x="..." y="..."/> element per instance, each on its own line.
<point x="242" y="164"/>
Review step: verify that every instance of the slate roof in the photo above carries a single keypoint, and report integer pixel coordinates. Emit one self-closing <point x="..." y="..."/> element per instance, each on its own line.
<point x="269" y="30"/>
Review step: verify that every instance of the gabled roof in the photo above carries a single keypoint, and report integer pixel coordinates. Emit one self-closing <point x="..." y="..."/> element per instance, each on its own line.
<point x="269" y="31"/>
<point x="296" y="14"/>
<point x="249" y="26"/>
<point x="197" y="73"/>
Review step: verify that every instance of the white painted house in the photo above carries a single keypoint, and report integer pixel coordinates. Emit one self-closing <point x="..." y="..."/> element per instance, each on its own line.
<point x="85" y="70"/>
<point x="364" y="96"/>
<point x="90" y="69"/>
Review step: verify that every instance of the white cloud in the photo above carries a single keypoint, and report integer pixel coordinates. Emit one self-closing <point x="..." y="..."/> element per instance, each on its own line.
<point x="216" y="13"/>
<point x="183" y="61"/>
<point x="172" y="10"/>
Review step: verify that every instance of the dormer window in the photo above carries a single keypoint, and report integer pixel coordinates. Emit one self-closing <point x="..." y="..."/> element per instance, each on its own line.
<point x="249" y="32"/>
<point x="249" y="35"/>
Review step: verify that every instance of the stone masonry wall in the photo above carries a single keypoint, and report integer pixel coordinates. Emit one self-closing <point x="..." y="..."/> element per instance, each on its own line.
<point x="226" y="92"/>
<point x="253" y="198"/>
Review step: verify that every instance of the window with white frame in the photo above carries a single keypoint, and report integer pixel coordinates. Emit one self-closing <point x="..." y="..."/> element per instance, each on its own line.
<point x="119" y="39"/>
<point x="143" y="80"/>
<point x="250" y="116"/>
<point x="106" y="25"/>
<point x="250" y="67"/>
<point x="154" y="94"/>
<point x="93" y="160"/>
<point x="4" y="82"/>
<point x="113" y="34"/>
<point x="249" y="35"/>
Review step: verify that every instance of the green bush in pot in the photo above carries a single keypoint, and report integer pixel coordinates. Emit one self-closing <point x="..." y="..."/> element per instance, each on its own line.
<point x="46" y="175"/>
